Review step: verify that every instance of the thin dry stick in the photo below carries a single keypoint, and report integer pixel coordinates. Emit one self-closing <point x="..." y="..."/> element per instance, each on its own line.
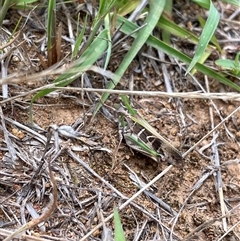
<point x="8" y="53"/>
<point x="10" y="42"/>
<point x="59" y="42"/>
<point x="180" y="211"/>
<point x="165" y="72"/>
<point x="189" y="95"/>
<point x="210" y="132"/>
<point x="133" y="176"/>
<point x="46" y="213"/>
<point x="141" y="230"/>
<point x="53" y="71"/>
<point x="22" y="77"/>
<point x="229" y="230"/>
<point x="206" y="224"/>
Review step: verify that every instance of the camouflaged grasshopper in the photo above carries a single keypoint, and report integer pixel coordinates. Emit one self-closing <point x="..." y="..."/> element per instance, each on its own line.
<point x="142" y="137"/>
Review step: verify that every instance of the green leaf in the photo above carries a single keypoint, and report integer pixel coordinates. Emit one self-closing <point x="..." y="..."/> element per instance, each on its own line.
<point x="214" y="39"/>
<point x="119" y="234"/>
<point x="166" y="36"/>
<point x="23" y="3"/>
<point x="206" y="35"/>
<point x="128" y="7"/>
<point x="109" y="49"/>
<point x="225" y="63"/>
<point x="176" y="30"/>
<point x="237" y="63"/>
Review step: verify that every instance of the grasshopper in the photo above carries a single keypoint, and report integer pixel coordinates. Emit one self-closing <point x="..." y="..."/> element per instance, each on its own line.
<point x="142" y="137"/>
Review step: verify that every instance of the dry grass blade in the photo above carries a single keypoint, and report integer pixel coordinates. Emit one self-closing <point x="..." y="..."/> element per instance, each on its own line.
<point x="187" y="95"/>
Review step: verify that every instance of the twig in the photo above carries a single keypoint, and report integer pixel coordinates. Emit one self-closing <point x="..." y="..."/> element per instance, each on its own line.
<point x="210" y="132"/>
<point x="165" y="73"/>
<point x="189" y="95"/>
<point x="70" y="28"/>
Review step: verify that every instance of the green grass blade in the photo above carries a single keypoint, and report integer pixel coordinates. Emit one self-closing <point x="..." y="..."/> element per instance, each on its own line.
<point x="214" y="39"/>
<point x="109" y="49"/>
<point x="104" y="8"/>
<point x="225" y="63"/>
<point x="4" y="9"/>
<point x="206" y="35"/>
<point x="154" y="14"/>
<point x="128" y="7"/>
<point x="79" y="39"/>
<point x="168" y="11"/>
<point x="176" y="30"/>
<point x="129" y="27"/>
<point x="24" y="3"/>
<point x="119" y="234"/>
